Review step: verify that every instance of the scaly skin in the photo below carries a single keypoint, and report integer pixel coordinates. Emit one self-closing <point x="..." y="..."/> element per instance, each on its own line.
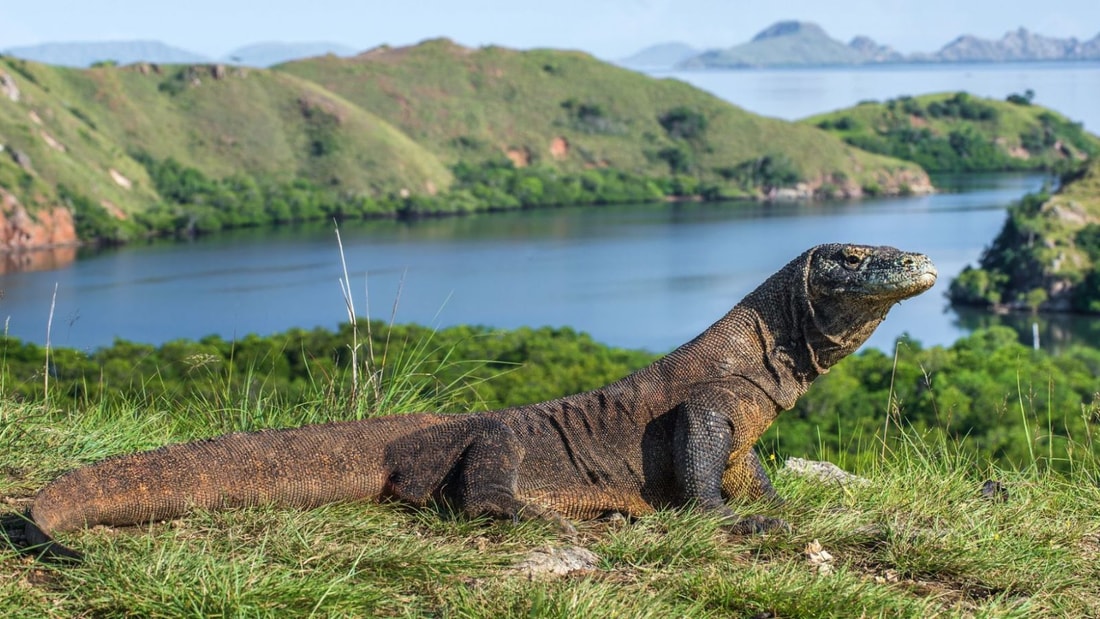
<point x="678" y="432"/>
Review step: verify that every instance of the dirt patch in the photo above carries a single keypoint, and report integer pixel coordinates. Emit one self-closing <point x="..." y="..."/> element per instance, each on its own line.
<point x="559" y="148"/>
<point x="112" y="209"/>
<point x="520" y="157"/>
<point x="52" y="143"/>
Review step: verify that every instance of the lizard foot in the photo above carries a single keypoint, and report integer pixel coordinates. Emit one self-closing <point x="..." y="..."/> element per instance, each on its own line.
<point x="756" y="524"/>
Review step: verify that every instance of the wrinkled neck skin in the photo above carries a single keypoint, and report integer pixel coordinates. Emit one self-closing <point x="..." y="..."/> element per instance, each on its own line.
<point x="778" y="337"/>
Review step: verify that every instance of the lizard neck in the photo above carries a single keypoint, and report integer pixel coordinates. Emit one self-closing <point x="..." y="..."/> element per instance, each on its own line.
<point x="772" y="339"/>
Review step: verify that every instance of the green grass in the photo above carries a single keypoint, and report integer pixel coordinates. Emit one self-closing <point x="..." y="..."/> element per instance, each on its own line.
<point x="466" y="104"/>
<point x="917" y="541"/>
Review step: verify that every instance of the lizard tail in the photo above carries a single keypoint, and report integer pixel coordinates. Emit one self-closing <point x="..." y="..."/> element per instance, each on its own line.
<point x="298" y="467"/>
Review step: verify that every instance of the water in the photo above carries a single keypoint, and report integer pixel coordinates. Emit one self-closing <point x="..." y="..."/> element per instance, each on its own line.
<point x="649" y="276"/>
<point x="1072" y="88"/>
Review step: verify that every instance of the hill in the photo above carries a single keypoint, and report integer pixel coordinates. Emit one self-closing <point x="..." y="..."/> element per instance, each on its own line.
<point x="959" y="132"/>
<point x="569" y="110"/>
<point x="1047" y="255"/>
<point x="73" y="137"/>
<point x="660" y="56"/>
<point x="87" y="53"/>
<point x="787" y="43"/>
<point x="117" y="152"/>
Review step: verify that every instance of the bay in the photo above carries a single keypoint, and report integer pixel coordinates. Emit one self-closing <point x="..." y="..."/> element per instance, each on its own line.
<point x="645" y="276"/>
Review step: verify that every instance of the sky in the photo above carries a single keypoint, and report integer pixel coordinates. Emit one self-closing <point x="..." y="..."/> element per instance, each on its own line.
<point x="609" y="29"/>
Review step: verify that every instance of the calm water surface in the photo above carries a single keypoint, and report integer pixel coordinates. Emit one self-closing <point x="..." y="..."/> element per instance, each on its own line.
<point x="650" y="276"/>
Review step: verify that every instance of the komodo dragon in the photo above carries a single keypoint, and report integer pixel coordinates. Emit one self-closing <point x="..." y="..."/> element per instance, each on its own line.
<point x="678" y="432"/>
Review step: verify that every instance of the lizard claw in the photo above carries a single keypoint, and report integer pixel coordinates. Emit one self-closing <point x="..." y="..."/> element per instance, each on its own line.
<point x="756" y="525"/>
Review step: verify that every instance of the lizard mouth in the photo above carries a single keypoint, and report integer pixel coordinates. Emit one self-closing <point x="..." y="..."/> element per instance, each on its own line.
<point x="910" y="286"/>
<point x="927" y="279"/>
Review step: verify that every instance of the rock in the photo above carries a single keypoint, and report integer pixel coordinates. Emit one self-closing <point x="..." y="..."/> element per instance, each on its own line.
<point x="824" y="471"/>
<point x="19" y="230"/>
<point x="22" y="159"/>
<point x="557" y="561"/>
<point x="8" y="87"/>
<point x="119" y="179"/>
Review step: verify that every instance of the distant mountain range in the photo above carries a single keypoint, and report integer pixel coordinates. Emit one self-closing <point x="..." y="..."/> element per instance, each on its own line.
<point x="85" y="54"/>
<point x="797" y="43"/>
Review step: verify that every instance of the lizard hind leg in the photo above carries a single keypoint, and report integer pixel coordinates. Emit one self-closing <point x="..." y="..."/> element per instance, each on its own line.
<point x="486" y="478"/>
<point x="469" y="463"/>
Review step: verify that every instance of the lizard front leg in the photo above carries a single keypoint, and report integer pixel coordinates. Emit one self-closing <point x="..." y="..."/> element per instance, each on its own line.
<point x="746" y="479"/>
<point x="709" y="441"/>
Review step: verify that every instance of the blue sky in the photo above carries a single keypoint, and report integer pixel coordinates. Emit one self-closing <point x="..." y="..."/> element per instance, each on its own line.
<point x="607" y="28"/>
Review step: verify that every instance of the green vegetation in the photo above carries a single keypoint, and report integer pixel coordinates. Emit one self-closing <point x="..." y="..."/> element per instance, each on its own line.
<point x="197" y="204"/>
<point x="382" y="133"/>
<point x="572" y="112"/>
<point x="967" y="391"/>
<point x="1047" y="255"/>
<point x="962" y="133"/>
<point x="917" y="541"/>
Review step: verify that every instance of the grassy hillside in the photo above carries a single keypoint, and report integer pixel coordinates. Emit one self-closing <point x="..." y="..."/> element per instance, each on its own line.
<point x="153" y="149"/>
<point x="221" y="121"/>
<point x="50" y="123"/>
<point x="572" y="111"/>
<point x="957" y="132"/>
<point x="1047" y="255"/>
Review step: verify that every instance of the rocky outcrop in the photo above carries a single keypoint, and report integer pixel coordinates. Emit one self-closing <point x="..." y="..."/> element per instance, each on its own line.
<point x="838" y="187"/>
<point x="8" y="87"/>
<point x="21" y="231"/>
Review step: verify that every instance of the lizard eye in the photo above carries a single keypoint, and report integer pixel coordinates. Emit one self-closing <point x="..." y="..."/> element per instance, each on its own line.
<point x="852" y="261"/>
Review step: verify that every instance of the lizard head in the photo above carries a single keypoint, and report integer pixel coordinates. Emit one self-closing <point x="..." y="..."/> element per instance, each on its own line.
<point x="850" y="288"/>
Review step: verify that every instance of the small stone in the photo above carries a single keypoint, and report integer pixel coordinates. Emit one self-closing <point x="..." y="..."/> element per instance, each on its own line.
<point x="824" y="471"/>
<point x="557" y="561"/>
